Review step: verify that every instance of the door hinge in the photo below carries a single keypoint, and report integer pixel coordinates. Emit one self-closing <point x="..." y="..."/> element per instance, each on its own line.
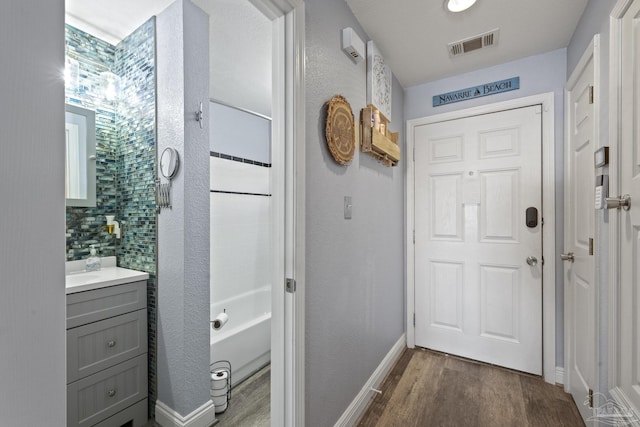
<point x="590" y="398"/>
<point x="414" y="319"/>
<point x="290" y="285"/>
<point x="591" y="100"/>
<point x="590" y="246"/>
<point x="414" y="237"/>
<point x="542" y="260"/>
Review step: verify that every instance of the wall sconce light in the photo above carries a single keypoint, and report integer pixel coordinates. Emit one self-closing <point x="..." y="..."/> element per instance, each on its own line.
<point x="113" y="227"/>
<point x="458" y="5"/>
<point x="110" y="85"/>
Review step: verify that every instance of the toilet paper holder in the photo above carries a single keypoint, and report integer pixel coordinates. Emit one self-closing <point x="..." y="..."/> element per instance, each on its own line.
<point x="220" y="320"/>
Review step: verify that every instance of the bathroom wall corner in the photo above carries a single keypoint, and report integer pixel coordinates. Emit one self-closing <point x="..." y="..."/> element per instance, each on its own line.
<point x="183" y="231"/>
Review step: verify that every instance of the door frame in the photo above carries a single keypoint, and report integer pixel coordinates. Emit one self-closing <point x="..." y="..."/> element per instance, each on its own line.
<point x="615" y="134"/>
<point x="288" y="207"/>
<point x="548" y="214"/>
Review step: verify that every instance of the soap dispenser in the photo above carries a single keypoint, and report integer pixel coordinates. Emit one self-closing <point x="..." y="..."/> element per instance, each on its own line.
<point x="93" y="262"/>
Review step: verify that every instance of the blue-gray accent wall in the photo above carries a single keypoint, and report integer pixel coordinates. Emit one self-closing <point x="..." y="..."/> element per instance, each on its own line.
<point x="354" y="268"/>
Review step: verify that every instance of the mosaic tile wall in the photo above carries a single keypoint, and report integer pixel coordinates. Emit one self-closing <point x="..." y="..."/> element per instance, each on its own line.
<point x="125" y="160"/>
<point x="86" y="225"/>
<point x="136" y="157"/>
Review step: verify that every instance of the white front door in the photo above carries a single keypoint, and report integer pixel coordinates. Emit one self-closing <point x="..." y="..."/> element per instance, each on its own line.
<point x="579" y="265"/>
<point x="475" y="293"/>
<point x="627" y="377"/>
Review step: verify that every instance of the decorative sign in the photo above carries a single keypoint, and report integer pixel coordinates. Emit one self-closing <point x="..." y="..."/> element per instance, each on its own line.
<point x="477" y="91"/>
<point x="379" y="80"/>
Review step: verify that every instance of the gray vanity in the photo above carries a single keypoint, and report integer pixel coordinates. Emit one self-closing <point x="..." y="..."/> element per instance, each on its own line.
<point x="106" y="346"/>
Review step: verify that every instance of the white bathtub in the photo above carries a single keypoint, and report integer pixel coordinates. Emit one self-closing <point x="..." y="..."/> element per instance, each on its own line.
<point x="245" y="340"/>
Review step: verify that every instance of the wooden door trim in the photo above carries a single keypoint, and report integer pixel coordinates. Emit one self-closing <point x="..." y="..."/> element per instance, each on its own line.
<point x="548" y="213"/>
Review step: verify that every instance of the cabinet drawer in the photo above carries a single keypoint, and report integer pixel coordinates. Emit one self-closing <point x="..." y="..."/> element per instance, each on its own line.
<point x="98" y="304"/>
<point x="99" y="396"/>
<point x="97" y="346"/>
<point x="133" y="416"/>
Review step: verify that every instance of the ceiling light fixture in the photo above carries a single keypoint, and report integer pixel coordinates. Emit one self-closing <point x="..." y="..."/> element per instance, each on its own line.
<point x="459" y="5"/>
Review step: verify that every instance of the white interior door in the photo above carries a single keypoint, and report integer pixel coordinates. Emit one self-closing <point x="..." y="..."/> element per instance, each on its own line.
<point x="627" y="377"/>
<point x="475" y="293"/>
<point x="579" y="265"/>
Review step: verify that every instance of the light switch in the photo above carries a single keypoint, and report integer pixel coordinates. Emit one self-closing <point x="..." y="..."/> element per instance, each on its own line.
<point x="348" y="207"/>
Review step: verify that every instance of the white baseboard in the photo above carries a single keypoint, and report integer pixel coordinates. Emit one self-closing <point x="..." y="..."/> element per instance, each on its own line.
<point x="204" y="416"/>
<point x="359" y="404"/>
<point x="559" y="375"/>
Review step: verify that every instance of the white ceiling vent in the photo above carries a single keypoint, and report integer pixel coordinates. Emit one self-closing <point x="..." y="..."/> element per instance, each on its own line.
<point x="490" y="38"/>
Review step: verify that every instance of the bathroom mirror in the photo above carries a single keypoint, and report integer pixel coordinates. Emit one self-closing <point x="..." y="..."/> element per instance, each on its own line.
<point x="80" y="158"/>
<point x="169" y="162"/>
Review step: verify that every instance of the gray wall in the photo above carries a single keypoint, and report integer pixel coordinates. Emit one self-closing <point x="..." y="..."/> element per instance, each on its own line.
<point x="240" y="44"/>
<point x="183" y="231"/>
<point x="538" y="74"/>
<point x="354" y="268"/>
<point x="595" y="19"/>
<point x="239" y="133"/>
<point x="32" y="247"/>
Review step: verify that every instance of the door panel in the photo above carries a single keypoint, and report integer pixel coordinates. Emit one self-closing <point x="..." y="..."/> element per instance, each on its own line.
<point x="498" y="206"/>
<point x="499" y="292"/>
<point x="579" y="229"/>
<point x="475" y="295"/>
<point x="446" y="208"/>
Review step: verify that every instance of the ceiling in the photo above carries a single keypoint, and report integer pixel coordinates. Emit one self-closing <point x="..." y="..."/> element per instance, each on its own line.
<point x="111" y="20"/>
<point x="412" y="35"/>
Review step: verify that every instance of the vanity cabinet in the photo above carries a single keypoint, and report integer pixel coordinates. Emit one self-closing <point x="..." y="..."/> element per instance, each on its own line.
<point x="107" y="356"/>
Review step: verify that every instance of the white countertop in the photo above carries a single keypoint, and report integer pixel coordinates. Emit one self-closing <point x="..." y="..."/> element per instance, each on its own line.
<point x="79" y="280"/>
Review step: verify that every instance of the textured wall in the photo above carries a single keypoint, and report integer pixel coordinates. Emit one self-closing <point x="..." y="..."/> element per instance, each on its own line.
<point x="538" y="74"/>
<point x="595" y="20"/>
<point x="354" y="268"/>
<point x="183" y="231"/>
<point x="32" y="297"/>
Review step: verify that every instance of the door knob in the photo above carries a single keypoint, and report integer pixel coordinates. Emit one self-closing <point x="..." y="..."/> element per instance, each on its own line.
<point x="532" y="261"/>
<point x="623" y="202"/>
<point x="568" y="257"/>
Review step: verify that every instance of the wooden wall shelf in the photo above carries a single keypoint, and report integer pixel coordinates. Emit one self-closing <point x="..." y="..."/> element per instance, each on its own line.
<point x="378" y="141"/>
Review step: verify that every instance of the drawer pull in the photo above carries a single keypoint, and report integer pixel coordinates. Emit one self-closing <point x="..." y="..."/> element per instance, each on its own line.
<point x="111" y="392"/>
<point x="111" y="344"/>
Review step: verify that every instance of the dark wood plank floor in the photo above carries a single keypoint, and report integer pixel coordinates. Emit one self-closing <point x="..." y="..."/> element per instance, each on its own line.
<point x="427" y="388"/>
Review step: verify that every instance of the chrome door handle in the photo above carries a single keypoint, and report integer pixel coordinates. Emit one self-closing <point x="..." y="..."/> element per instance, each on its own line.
<point x="568" y="257"/>
<point x="532" y="261"/>
<point x="623" y="202"/>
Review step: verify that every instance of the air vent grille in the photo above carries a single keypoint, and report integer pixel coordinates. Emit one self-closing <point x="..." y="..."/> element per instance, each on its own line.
<point x="470" y="44"/>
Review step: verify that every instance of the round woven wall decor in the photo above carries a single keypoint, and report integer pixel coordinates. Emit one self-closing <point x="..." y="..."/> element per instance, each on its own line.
<point x="340" y="131"/>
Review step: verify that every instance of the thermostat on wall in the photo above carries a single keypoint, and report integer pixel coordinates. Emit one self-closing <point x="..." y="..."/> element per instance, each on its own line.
<point x="352" y="45"/>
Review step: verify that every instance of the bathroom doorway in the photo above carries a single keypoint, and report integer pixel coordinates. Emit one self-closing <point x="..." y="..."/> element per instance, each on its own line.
<point x="248" y="207"/>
